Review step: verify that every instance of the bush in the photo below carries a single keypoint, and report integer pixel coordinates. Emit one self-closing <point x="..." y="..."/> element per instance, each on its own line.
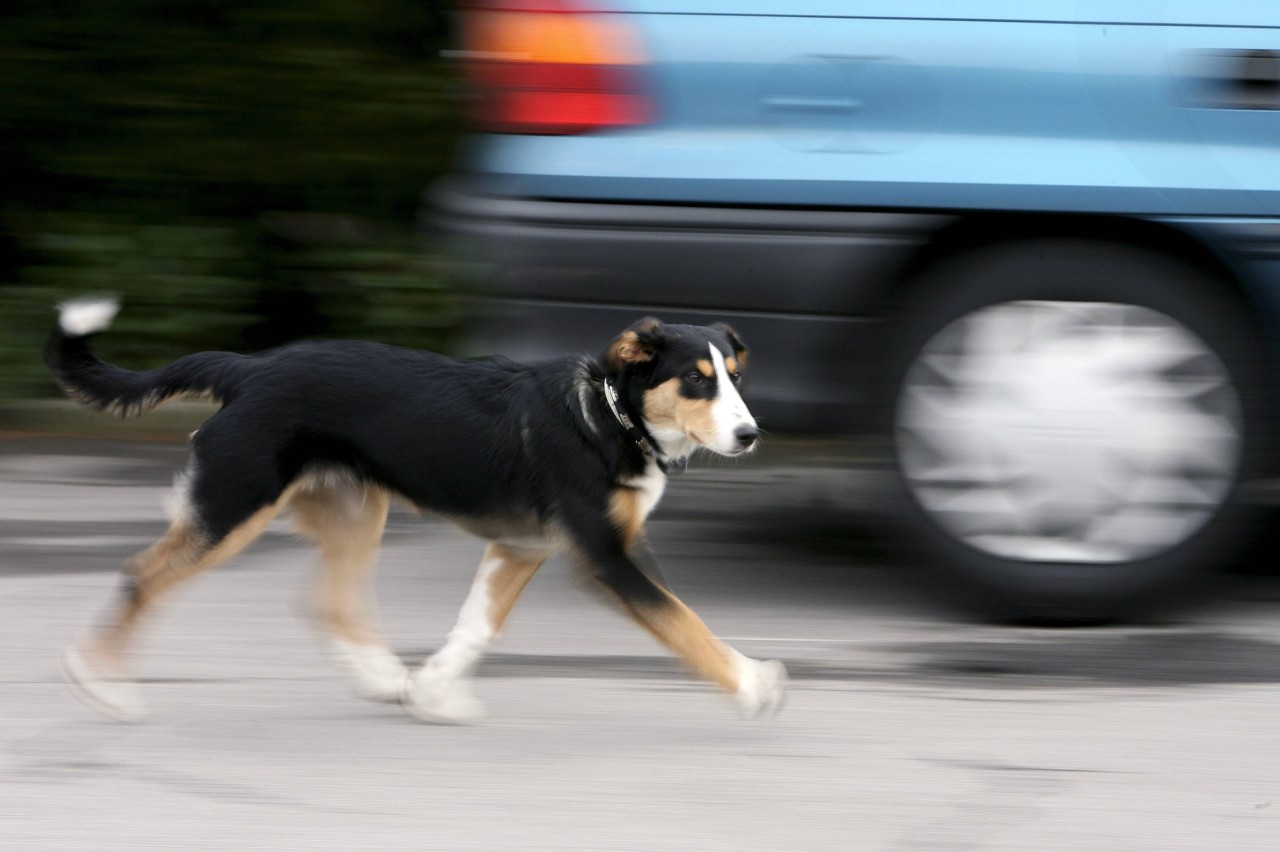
<point x="241" y="174"/>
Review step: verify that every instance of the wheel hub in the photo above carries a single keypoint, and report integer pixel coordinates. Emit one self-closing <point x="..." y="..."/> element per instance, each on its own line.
<point x="1069" y="431"/>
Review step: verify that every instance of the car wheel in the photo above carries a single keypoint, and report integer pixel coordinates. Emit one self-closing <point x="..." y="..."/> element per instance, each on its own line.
<point x="1071" y="425"/>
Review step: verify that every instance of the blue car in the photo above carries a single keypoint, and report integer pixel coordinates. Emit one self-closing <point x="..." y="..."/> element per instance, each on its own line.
<point x="1035" y="245"/>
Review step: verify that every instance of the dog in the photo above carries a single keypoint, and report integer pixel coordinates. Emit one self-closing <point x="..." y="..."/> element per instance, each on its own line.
<point x="567" y="455"/>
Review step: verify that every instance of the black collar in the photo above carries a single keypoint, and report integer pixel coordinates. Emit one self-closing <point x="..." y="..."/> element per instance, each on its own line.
<point x="634" y="432"/>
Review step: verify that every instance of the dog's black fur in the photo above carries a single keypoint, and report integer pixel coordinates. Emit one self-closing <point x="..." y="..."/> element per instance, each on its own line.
<point x="567" y="454"/>
<point x="503" y="448"/>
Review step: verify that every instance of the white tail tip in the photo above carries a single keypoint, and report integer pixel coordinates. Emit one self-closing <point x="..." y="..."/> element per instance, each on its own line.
<point x="79" y="317"/>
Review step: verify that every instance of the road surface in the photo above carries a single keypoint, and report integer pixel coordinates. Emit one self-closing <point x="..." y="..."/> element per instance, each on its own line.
<point x="906" y="728"/>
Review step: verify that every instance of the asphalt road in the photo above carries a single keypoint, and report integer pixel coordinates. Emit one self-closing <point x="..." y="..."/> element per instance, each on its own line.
<point x="906" y="728"/>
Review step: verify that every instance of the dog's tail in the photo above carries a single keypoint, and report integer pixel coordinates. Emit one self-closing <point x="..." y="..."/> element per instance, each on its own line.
<point x="105" y="387"/>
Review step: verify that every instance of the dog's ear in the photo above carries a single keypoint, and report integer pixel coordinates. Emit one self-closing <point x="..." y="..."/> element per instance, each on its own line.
<point x="636" y="345"/>
<point x="735" y="340"/>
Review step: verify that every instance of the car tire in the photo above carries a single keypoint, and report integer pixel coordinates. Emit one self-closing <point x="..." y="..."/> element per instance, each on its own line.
<point x="1071" y="424"/>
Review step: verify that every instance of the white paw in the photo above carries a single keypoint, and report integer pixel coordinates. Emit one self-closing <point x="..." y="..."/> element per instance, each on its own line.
<point x="111" y="696"/>
<point x="375" y="672"/>
<point x="762" y="687"/>
<point x="441" y="700"/>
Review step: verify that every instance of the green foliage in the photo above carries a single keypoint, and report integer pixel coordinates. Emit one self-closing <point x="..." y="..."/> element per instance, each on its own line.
<point x="240" y="173"/>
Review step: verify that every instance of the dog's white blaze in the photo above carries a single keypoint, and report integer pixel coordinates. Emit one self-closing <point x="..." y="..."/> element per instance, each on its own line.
<point x="762" y="685"/>
<point x="649" y="487"/>
<point x="178" y="505"/>
<point x="438" y="691"/>
<point x="728" y="411"/>
<point x="674" y="442"/>
<point x="79" y="317"/>
<point x="116" y="697"/>
<point x="473" y="632"/>
<point x="375" y="671"/>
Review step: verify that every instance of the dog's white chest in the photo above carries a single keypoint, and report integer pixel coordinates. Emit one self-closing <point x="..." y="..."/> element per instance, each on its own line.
<point x="649" y="487"/>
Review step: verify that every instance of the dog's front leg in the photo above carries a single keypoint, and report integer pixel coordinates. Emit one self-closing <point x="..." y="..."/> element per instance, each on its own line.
<point x="439" y="691"/>
<point x="758" y="685"/>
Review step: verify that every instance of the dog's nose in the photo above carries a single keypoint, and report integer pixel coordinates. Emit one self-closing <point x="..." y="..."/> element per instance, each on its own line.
<point x="746" y="436"/>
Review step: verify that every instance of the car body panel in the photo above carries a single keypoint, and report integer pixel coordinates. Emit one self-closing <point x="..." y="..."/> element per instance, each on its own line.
<point x="1073" y="111"/>
<point x="805" y="158"/>
<point x="1033" y="249"/>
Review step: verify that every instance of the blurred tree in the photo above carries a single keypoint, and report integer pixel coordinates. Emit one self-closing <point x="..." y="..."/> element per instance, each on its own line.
<point x="222" y="108"/>
<point x="242" y="172"/>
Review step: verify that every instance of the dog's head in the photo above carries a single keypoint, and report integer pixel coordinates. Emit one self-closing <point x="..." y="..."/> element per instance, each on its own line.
<point x="683" y="379"/>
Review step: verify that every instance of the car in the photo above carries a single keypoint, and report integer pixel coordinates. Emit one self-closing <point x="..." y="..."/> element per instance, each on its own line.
<point x="1034" y="246"/>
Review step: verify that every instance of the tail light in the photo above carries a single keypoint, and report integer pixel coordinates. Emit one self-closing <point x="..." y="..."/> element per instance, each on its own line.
<point x="553" y="67"/>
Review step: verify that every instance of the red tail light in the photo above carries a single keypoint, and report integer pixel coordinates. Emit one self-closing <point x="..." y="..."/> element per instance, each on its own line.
<point x="553" y="67"/>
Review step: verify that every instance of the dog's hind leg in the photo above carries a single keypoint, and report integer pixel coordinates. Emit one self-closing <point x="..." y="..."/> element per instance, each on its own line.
<point x="230" y="497"/>
<point x="439" y="690"/>
<point x="347" y="519"/>
<point x="95" y="667"/>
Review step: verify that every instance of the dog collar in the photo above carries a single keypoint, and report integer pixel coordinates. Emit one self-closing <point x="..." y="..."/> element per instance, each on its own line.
<point x="633" y="431"/>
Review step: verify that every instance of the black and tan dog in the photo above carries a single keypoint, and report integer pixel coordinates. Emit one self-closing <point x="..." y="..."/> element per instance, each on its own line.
<point x="564" y="455"/>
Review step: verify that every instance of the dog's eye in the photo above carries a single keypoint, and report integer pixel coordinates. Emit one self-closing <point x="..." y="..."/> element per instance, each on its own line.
<point x="693" y="378"/>
<point x="735" y="377"/>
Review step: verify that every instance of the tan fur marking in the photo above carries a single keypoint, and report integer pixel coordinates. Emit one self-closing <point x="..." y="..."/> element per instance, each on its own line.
<point x="677" y="627"/>
<point x="705" y="368"/>
<point x="628" y="347"/>
<point x="731" y="364"/>
<point x="625" y="512"/>
<point x="179" y="555"/>
<point x="506" y="584"/>
<point x="627" y="350"/>
<point x="347" y="524"/>
<point x="664" y="407"/>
